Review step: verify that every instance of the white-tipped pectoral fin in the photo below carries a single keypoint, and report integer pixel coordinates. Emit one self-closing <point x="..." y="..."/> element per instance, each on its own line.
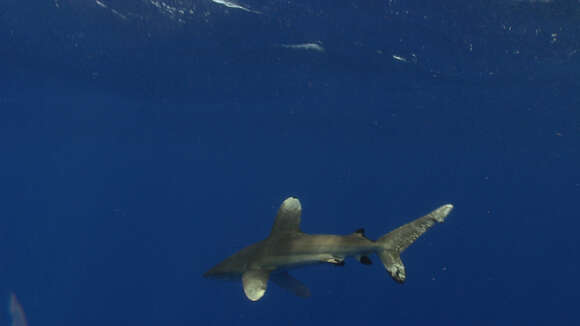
<point x="255" y="283"/>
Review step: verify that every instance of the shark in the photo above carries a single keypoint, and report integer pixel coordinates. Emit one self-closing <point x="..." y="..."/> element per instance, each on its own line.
<point x="287" y="247"/>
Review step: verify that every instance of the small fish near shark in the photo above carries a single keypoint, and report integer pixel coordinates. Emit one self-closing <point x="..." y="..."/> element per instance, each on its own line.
<point x="288" y="247"/>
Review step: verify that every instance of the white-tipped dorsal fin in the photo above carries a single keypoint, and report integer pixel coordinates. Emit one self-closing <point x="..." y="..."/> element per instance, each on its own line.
<point x="288" y="217"/>
<point x="255" y="283"/>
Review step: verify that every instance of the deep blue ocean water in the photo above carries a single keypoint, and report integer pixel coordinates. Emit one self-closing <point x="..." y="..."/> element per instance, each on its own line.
<point x="143" y="142"/>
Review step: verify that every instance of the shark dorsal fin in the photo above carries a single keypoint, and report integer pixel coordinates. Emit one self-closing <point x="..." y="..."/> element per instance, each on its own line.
<point x="288" y="217"/>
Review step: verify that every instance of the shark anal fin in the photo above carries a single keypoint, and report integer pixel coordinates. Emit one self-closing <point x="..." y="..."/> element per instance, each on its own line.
<point x="365" y="260"/>
<point x="286" y="281"/>
<point x="255" y="283"/>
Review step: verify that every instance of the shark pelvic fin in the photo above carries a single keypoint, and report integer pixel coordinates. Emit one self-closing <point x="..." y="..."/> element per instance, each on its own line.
<point x="255" y="283"/>
<point x="336" y="261"/>
<point x="396" y="241"/>
<point x="286" y="281"/>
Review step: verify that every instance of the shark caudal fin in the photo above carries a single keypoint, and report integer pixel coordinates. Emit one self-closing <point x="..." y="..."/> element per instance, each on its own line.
<point x="396" y="241"/>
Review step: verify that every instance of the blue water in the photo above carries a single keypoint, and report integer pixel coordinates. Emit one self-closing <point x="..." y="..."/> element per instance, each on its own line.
<point x="141" y="146"/>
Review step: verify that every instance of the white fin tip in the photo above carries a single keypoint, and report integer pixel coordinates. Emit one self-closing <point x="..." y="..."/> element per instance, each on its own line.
<point x="440" y="213"/>
<point x="292" y="204"/>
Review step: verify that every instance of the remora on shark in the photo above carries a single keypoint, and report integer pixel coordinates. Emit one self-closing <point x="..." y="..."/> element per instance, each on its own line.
<point x="288" y="247"/>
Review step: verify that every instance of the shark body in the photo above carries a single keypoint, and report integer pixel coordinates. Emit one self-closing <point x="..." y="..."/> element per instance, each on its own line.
<point x="288" y="247"/>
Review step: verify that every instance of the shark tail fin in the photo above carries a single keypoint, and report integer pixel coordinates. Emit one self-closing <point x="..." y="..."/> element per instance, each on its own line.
<point x="395" y="242"/>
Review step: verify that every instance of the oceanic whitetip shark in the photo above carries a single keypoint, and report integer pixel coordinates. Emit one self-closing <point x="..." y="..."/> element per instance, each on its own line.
<point x="288" y="247"/>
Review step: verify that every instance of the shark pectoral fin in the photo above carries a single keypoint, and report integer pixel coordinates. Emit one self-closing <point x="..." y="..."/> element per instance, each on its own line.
<point x="286" y="281"/>
<point x="255" y="283"/>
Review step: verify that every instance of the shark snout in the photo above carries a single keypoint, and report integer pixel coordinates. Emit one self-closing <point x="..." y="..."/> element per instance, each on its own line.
<point x="213" y="273"/>
<point x="223" y="271"/>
